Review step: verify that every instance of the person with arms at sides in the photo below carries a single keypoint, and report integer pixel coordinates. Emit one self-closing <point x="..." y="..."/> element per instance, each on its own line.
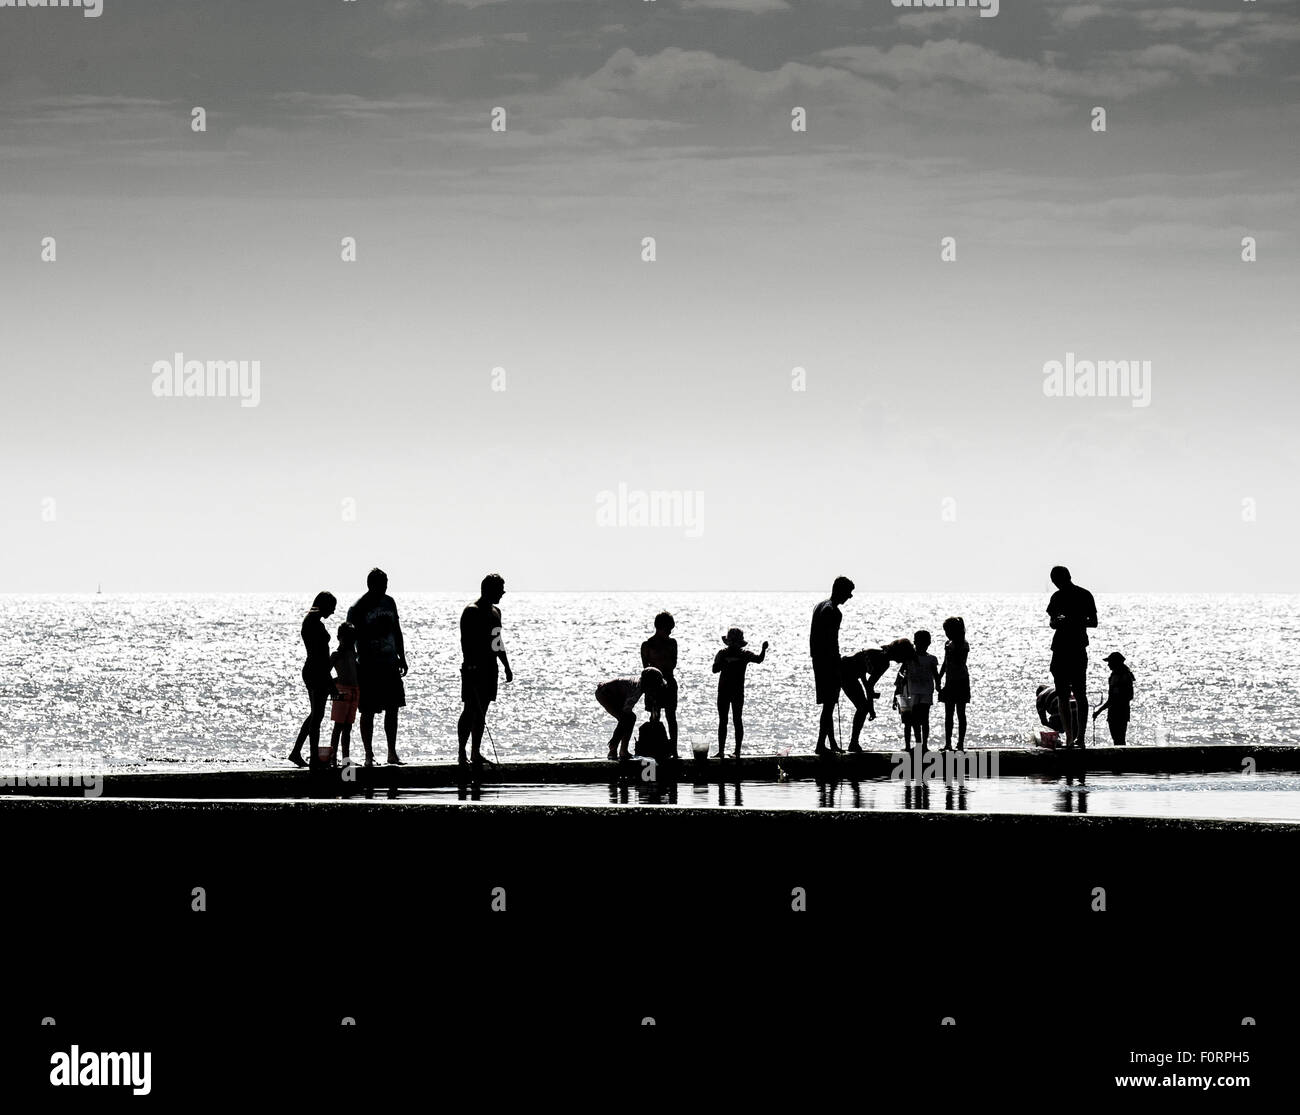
<point x="660" y="651"/>
<point x="824" y="648"/>
<point x="381" y="662"/>
<point x="481" y="648"/>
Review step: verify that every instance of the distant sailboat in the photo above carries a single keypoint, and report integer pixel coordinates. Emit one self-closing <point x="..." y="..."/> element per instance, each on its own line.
<point x="99" y="589"/>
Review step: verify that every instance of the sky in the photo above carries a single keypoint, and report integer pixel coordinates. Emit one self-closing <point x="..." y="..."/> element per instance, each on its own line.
<point x="797" y="384"/>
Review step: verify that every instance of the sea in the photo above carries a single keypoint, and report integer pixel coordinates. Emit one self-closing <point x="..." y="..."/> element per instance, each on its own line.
<point x="192" y="681"/>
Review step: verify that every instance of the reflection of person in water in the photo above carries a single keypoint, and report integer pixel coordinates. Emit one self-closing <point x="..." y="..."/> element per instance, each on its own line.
<point x="315" y="674"/>
<point x="954" y="681"/>
<point x="859" y="674"/>
<point x="1119" y="699"/>
<point x="480" y="647"/>
<point x="660" y="651"/>
<point x="824" y="647"/>
<point x="1072" y="611"/>
<point x="729" y="664"/>
<point x="619" y="697"/>
<point x="381" y="662"/>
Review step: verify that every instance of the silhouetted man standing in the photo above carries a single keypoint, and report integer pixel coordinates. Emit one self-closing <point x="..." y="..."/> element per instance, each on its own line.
<point x="1072" y="611"/>
<point x="824" y="645"/>
<point x="481" y="647"/>
<point x="381" y="662"/>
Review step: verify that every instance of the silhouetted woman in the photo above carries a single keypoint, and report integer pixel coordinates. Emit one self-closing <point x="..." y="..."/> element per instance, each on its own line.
<point x="954" y="692"/>
<point x="315" y="673"/>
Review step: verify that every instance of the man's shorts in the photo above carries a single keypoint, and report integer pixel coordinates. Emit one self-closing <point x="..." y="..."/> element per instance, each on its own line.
<point x="1070" y="674"/>
<point x="344" y="708"/>
<point x="826" y="677"/>
<point x="381" y="688"/>
<point x="479" y="685"/>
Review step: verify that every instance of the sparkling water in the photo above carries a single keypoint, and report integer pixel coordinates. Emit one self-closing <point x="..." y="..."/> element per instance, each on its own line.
<point x="156" y="681"/>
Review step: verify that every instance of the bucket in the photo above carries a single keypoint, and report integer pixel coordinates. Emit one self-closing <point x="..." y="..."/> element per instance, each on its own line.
<point x="700" y="751"/>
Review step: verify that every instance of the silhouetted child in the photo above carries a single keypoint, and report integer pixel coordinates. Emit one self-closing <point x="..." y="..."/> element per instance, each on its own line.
<point x="729" y="664"/>
<point x="660" y="652"/>
<point x="343" y="711"/>
<point x="1119" y="699"/>
<point x="619" y="697"/>
<point x="955" y="691"/>
<point x="921" y="679"/>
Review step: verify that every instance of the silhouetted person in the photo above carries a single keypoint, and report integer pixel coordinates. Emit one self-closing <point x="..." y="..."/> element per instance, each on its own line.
<point x="619" y="697"/>
<point x="480" y="647"/>
<point x="381" y="662"/>
<point x="1119" y="699"/>
<point x="1049" y="709"/>
<point x="729" y="664"/>
<point x="660" y="651"/>
<point x="921" y="677"/>
<point x="343" y="712"/>
<point x="859" y="674"/>
<point x="954" y="692"/>
<point x="315" y="674"/>
<point x="824" y="646"/>
<point x="1072" y="611"/>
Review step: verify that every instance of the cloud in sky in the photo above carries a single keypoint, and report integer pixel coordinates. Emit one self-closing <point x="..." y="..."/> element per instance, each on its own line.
<point x="523" y="249"/>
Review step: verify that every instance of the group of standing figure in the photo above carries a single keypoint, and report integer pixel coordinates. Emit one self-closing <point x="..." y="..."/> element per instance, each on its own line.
<point x="365" y="674"/>
<point x="919" y="681"/>
<point x="658" y="686"/>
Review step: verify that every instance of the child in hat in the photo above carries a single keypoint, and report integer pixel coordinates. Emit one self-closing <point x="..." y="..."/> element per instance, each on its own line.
<point x="1119" y="698"/>
<point x="729" y="664"/>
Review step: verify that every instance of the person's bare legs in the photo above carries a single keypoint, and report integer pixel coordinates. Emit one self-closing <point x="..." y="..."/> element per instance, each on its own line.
<point x="390" y="733"/>
<point x="367" y="736"/>
<point x="310" y="730"/>
<point x="961" y="726"/>
<point x="740" y="727"/>
<point x="826" y="729"/>
<point x="470" y="728"/>
<point x="859" y="719"/>
<point x="626" y="724"/>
